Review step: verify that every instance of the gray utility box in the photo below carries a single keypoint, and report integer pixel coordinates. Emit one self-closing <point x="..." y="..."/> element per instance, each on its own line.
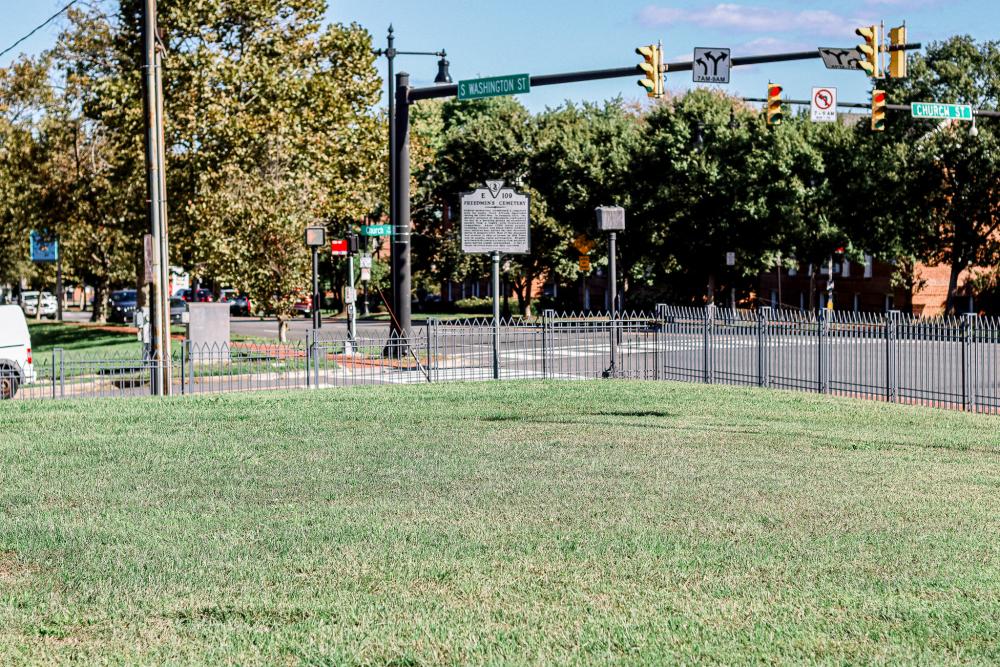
<point x="610" y="218"/>
<point x="208" y="331"/>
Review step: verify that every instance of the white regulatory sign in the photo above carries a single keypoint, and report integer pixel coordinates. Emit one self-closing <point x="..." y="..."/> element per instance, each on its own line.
<point x="823" y="106"/>
<point x="710" y="65"/>
<point x="366" y="261"/>
<point x="496" y="219"/>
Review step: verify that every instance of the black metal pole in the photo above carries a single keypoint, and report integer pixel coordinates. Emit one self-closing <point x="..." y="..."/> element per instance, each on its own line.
<point x="617" y="72"/>
<point x="317" y="320"/>
<point x="401" y="235"/>
<point x="60" y="292"/>
<point x="390" y="54"/>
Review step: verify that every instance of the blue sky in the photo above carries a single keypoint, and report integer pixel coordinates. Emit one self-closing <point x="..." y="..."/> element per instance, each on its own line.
<point x="489" y="37"/>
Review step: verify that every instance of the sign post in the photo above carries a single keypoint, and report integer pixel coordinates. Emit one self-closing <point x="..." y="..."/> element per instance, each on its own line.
<point x="611" y="219"/>
<point x="495" y="220"/>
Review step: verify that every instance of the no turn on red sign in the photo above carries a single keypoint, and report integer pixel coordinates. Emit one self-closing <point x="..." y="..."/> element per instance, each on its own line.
<point x="823" y="105"/>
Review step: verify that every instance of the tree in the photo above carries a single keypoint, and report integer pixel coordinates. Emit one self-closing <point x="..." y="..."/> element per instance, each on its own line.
<point x="944" y="193"/>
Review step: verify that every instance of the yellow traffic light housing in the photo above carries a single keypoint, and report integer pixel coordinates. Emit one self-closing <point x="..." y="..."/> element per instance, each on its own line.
<point x="774" y="104"/>
<point x="897" y="59"/>
<point x="878" y="110"/>
<point x="652" y="79"/>
<point x="869" y="51"/>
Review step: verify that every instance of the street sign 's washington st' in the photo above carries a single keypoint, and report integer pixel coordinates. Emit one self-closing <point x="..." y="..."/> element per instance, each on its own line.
<point x="495" y="219"/>
<point x="935" y="110"/>
<point x="494" y="86"/>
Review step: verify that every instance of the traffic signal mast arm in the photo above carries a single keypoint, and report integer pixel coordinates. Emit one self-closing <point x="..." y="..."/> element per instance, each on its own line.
<point x="451" y="90"/>
<point x="983" y="113"/>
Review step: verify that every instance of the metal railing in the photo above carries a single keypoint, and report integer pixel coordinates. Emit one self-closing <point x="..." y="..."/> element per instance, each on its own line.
<point x="951" y="362"/>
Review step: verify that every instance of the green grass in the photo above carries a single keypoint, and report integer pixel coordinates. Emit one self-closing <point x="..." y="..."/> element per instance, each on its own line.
<point x="81" y="340"/>
<point x="587" y="523"/>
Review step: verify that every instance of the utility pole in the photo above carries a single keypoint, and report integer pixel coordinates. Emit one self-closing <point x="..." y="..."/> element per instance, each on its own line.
<point x="154" y="168"/>
<point x="164" y="294"/>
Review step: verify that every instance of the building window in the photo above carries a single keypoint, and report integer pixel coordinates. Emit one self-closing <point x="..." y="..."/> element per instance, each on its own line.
<point x="792" y="271"/>
<point x="868" y="266"/>
<point x="857" y="302"/>
<point x="845" y="269"/>
<point x="774" y="298"/>
<point x="889" y="305"/>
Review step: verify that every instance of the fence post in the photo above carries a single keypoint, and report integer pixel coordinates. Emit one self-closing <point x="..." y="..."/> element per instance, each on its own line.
<point x="52" y="368"/>
<point x="891" y="356"/>
<point x="62" y="373"/>
<point x="763" y="374"/>
<point x="430" y="366"/>
<point x="308" y="359"/>
<point x="824" y="350"/>
<point x="547" y="316"/>
<point x="183" y="364"/>
<point x="709" y="371"/>
<point x="659" y="356"/>
<point x="968" y="331"/>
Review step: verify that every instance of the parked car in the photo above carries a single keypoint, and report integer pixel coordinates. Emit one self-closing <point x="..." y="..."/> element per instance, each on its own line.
<point x="178" y="307"/>
<point x="121" y="306"/>
<point x="199" y="296"/>
<point x="303" y="306"/>
<point x="16" y="366"/>
<point x="239" y="305"/>
<point x="29" y="304"/>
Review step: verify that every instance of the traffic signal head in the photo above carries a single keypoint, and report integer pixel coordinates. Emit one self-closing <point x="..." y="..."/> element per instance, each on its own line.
<point x="773" y="104"/>
<point x="897" y="59"/>
<point x="878" y="110"/>
<point x="869" y="50"/>
<point x="651" y="79"/>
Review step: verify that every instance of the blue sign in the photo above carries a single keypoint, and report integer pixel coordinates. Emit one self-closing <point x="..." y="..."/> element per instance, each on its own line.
<point x="43" y="248"/>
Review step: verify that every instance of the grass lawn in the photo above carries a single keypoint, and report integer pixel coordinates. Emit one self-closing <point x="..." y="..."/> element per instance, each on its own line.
<point x="80" y="340"/>
<point x="587" y="522"/>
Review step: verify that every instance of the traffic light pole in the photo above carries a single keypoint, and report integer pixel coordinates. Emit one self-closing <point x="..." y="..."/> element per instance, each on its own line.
<point x="400" y="151"/>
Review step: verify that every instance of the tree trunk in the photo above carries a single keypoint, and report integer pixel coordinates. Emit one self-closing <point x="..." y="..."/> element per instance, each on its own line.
<point x="282" y="329"/>
<point x="710" y="290"/>
<point x="956" y="268"/>
<point x="812" y="288"/>
<point x="100" y="314"/>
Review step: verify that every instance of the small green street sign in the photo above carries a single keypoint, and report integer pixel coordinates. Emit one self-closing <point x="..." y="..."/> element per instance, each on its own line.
<point x="935" y="110"/>
<point x="494" y="86"/>
<point x="376" y="230"/>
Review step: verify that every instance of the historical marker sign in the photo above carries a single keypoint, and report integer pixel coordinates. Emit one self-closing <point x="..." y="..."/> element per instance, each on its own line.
<point x="839" y="57"/>
<point x="496" y="219"/>
<point x="710" y="65"/>
<point x="823" y="106"/>
<point x="494" y="86"/>
<point x="935" y="110"/>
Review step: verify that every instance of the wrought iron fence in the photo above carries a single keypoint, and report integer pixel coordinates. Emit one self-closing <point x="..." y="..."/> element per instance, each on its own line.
<point x="951" y="362"/>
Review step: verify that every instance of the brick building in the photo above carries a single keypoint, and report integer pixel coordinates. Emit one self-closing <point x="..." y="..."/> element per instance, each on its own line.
<point x="866" y="286"/>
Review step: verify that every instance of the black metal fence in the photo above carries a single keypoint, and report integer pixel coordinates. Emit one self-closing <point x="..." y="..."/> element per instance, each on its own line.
<point x="951" y="362"/>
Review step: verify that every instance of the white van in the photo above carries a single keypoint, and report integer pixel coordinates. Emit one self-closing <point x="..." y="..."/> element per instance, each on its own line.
<point x="15" y="351"/>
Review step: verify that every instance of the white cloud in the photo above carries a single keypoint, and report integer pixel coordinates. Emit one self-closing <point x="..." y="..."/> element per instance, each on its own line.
<point x="753" y="18"/>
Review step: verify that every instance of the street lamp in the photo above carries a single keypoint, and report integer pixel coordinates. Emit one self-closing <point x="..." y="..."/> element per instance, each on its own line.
<point x="443" y="77"/>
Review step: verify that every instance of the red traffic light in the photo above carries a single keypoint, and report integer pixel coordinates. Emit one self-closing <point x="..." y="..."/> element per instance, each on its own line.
<point x="879" y="97"/>
<point x="773" y="91"/>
